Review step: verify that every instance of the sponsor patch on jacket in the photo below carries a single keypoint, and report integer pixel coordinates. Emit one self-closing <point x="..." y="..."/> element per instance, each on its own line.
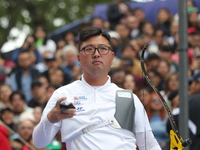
<point x="80" y="98"/>
<point x="124" y="94"/>
<point x="79" y="109"/>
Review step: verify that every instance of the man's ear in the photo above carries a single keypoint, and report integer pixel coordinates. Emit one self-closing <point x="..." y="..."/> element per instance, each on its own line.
<point x="78" y="57"/>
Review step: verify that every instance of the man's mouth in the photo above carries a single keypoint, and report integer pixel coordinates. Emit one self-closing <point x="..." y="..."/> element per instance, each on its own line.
<point x="96" y="62"/>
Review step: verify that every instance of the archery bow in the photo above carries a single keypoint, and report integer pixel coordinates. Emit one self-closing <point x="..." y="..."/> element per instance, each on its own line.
<point x="176" y="141"/>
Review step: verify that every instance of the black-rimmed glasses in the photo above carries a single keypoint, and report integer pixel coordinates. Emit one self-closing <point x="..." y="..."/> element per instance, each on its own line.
<point x="90" y="50"/>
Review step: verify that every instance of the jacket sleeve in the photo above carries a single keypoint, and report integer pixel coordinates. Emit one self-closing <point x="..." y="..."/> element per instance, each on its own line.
<point x="44" y="132"/>
<point x="146" y="140"/>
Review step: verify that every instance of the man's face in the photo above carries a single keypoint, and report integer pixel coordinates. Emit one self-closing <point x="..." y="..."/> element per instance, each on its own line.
<point x="25" y="129"/>
<point x="24" y="60"/>
<point x="70" y="58"/>
<point x="18" y="103"/>
<point x="96" y="63"/>
<point x="38" y="91"/>
<point x="123" y="31"/>
<point x="194" y="87"/>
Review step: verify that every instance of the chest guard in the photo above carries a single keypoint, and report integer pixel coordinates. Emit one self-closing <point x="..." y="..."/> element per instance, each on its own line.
<point x="125" y="109"/>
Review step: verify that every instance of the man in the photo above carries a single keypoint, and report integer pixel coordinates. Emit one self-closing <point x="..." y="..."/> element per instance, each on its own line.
<point x="69" y="53"/>
<point x="94" y="98"/>
<point x="25" y="129"/>
<point x="38" y="93"/>
<point x="117" y="12"/>
<point x="28" y="45"/>
<point x="133" y="24"/>
<point x="18" y="100"/>
<point x="24" y="74"/>
<point x="165" y="53"/>
<point x="194" y="111"/>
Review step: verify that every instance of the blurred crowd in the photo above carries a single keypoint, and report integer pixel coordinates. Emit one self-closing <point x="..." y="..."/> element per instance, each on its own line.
<point x="40" y="66"/>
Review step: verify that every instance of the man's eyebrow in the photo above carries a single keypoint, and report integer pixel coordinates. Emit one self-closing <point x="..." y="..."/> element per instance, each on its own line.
<point x="94" y="46"/>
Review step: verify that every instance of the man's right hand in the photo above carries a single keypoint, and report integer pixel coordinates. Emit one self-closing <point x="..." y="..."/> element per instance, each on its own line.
<point x="56" y="115"/>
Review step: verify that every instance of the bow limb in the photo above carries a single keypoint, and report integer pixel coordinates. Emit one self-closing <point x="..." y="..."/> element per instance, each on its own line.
<point x="176" y="141"/>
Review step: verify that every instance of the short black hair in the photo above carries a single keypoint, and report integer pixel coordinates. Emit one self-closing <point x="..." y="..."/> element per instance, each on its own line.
<point x="172" y="95"/>
<point x="90" y="32"/>
<point x="5" y="108"/>
<point x="20" y="93"/>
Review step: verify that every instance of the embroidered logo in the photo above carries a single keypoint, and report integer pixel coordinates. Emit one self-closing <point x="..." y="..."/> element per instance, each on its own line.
<point x="77" y="102"/>
<point x="80" y="98"/>
<point x="78" y="109"/>
<point x="124" y="94"/>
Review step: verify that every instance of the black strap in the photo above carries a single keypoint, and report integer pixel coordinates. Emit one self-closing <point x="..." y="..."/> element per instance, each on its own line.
<point x="125" y="109"/>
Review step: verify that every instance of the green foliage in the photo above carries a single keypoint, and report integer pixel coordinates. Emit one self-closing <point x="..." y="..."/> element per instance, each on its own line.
<point x="16" y="13"/>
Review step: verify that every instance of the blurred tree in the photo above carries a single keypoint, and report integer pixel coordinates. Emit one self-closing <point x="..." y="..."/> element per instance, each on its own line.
<point x="50" y="14"/>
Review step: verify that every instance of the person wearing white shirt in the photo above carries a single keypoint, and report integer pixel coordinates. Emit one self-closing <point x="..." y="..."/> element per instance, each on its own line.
<point x="91" y="125"/>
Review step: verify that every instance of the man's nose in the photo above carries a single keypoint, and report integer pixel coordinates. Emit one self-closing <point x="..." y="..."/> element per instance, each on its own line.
<point x="96" y="53"/>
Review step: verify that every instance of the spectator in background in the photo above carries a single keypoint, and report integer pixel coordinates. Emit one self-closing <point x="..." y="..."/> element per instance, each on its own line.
<point x="19" y="103"/>
<point x="173" y="98"/>
<point x="124" y="33"/>
<point x="4" y="138"/>
<point x="52" y="64"/>
<point x="163" y="69"/>
<point x="115" y="40"/>
<point x="156" y="78"/>
<point x="145" y="95"/>
<point x="38" y="93"/>
<point x="171" y="84"/>
<point x="194" y="43"/>
<point x="50" y="89"/>
<point x="60" y="45"/>
<point x="146" y="34"/>
<point x="194" y="104"/>
<point x="173" y="31"/>
<point x="76" y="73"/>
<point x="69" y="54"/>
<point x="5" y="68"/>
<point x="22" y="77"/>
<point x="28" y="45"/>
<point x="140" y="15"/>
<point x="37" y="114"/>
<point x="44" y="81"/>
<point x="117" y="76"/>
<point x="98" y="22"/>
<point x="136" y="46"/>
<point x="195" y="66"/>
<point x="5" y="91"/>
<point x="25" y="129"/>
<point x="16" y="144"/>
<point x="193" y="21"/>
<point x="133" y="24"/>
<point x="165" y="53"/>
<point x="194" y="111"/>
<point x="157" y="38"/>
<point x="117" y="13"/>
<point x="191" y="3"/>
<point x="7" y="116"/>
<point x="158" y="120"/>
<point x="164" y="20"/>
<point x="129" y="51"/>
<point x="59" y="77"/>
<point x="130" y="83"/>
<point x="69" y="37"/>
<point x="152" y="61"/>
<point x="42" y="43"/>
